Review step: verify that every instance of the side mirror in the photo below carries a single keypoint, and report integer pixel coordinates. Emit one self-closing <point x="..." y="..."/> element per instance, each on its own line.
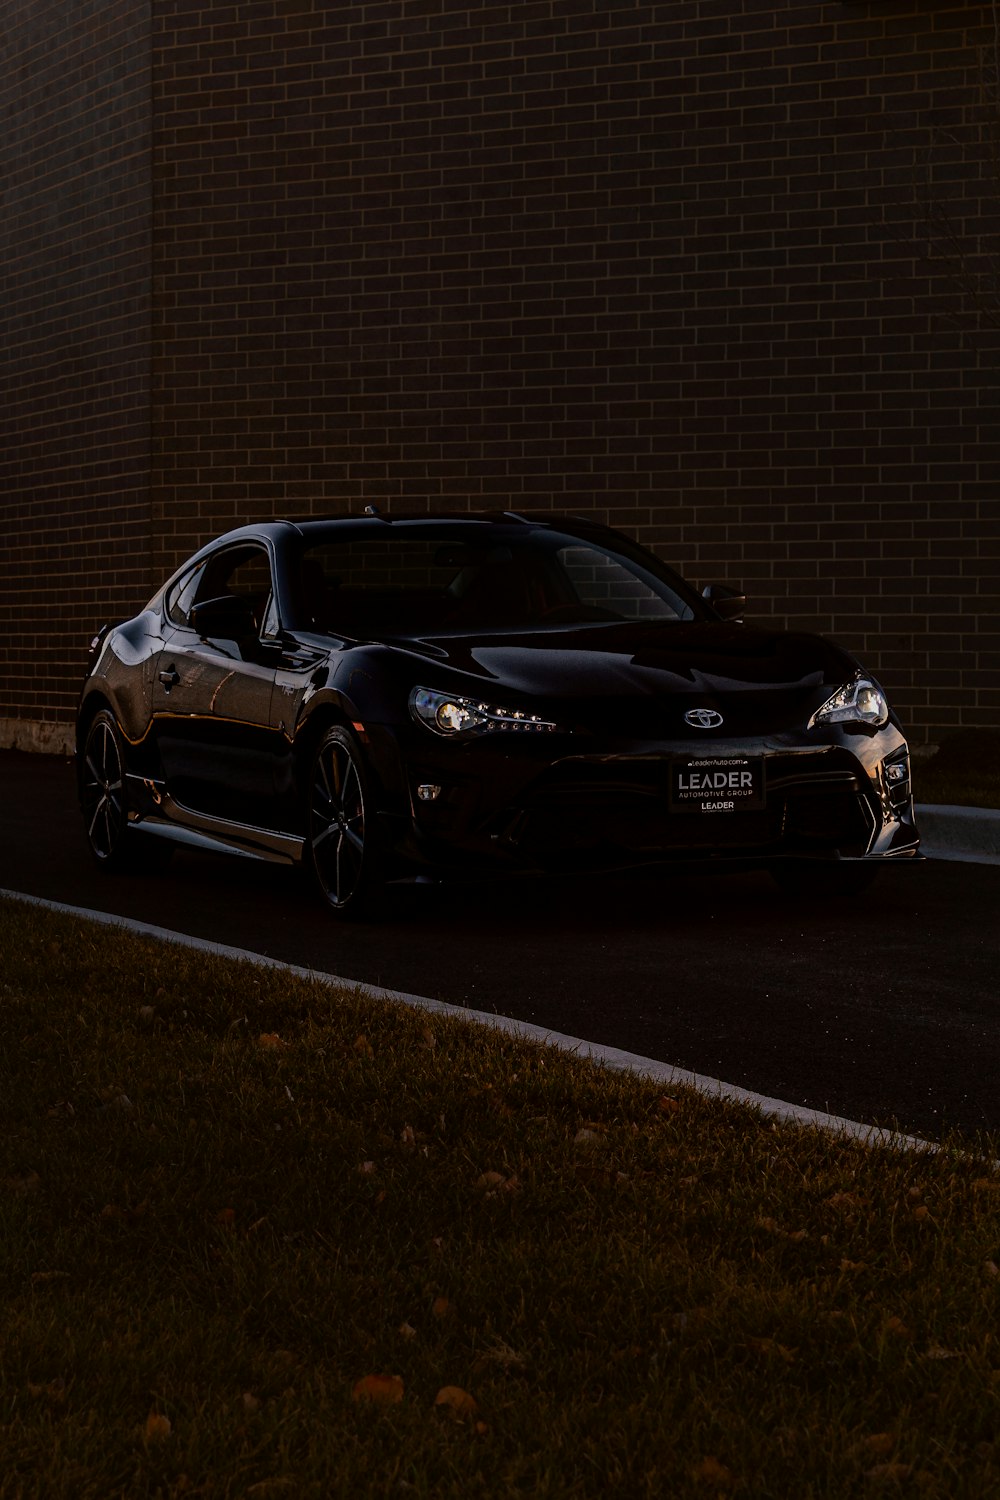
<point x="230" y="618"/>
<point x="729" y="604"/>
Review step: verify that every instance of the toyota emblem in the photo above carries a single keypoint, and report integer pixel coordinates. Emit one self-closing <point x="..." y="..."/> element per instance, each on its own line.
<point x="703" y="718"/>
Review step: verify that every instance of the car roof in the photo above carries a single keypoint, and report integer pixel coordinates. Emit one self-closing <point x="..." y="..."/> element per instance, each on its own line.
<point x="376" y="522"/>
<point x="312" y="528"/>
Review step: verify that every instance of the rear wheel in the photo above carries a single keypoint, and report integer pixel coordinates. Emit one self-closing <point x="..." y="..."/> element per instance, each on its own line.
<point x="113" y="844"/>
<point x="821" y="878"/>
<point x="342" y="839"/>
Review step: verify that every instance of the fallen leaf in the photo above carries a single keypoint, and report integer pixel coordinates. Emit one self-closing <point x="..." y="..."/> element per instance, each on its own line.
<point x="991" y="1270"/>
<point x="921" y="1213"/>
<point x="853" y="1265"/>
<point x="876" y="1445"/>
<point x="366" y="1168"/>
<point x="363" y="1047"/>
<point x="935" y="1351"/>
<point x="157" y="1427"/>
<point x="23" y="1183"/>
<point x="407" y="1331"/>
<point x="794" y="1236"/>
<point x="895" y="1472"/>
<point x="41" y="1278"/>
<point x="587" y="1137"/>
<point x="710" y="1471"/>
<point x="457" y="1401"/>
<point x="489" y="1181"/>
<point x="440" y="1308"/>
<point x="251" y="1403"/>
<point x="496" y="1185"/>
<point x="846" y="1202"/>
<point x="270" y="1041"/>
<point x="772" y="1349"/>
<point x="896" y="1327"/>
<point x="382" y="1390"/>
<point x="53" y="1391"/>
<point x="667" y="1105"/>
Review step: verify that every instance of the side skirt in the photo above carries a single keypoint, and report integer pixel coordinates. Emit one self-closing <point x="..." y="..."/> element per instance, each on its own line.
<point x="152" y="805"/>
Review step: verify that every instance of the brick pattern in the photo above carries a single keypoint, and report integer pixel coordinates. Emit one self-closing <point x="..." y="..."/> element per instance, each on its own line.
<point x="75" y="206"/>
<point x="685" y="266"/>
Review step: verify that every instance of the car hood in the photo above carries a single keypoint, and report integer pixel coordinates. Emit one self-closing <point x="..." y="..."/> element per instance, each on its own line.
<point x="755" y="677"/>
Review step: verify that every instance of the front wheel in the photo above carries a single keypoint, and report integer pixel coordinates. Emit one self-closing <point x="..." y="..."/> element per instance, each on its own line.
<point x="342" y="836"/>
<point x="811" y="878"/>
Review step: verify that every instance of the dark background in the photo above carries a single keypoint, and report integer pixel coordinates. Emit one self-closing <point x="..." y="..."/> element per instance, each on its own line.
<point x="717" y="273"/>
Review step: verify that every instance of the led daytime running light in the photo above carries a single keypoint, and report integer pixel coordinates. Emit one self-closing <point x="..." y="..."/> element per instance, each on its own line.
<point x="450" y="716"/>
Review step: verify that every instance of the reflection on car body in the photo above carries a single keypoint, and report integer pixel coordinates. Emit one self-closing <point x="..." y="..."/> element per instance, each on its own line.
<point x="383" y="698"/>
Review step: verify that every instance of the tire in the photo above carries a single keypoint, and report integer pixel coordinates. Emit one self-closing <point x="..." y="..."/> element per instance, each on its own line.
<point x="113" y="844"/>
<point x="343" y="850"/>
<point x="812" y="878"/>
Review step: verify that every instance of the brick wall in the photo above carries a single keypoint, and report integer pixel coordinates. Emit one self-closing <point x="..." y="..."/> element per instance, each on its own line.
<point x="75" y="180"/>
<point x="686" y="266"/>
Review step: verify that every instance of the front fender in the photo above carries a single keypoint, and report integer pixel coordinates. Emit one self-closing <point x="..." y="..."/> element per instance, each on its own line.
<point x="121" y="678"/>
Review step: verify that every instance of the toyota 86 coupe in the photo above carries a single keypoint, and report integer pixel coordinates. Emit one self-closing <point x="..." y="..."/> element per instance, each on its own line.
<point x="387" y="698"/>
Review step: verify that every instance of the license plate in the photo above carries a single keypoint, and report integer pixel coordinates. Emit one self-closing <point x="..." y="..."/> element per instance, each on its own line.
<point x="716" y="785"/>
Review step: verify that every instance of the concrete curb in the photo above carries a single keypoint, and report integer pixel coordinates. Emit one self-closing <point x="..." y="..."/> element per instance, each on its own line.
<point x="610" y="1057"/>
<point x="959" y="833"/>
<point x="37" y="737"/>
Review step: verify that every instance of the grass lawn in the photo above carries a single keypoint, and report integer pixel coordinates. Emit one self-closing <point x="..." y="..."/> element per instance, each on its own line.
<point x="266" y="1238"/>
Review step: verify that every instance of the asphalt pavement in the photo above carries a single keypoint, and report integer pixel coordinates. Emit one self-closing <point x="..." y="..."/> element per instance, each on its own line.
<point x="883" y="1010"/>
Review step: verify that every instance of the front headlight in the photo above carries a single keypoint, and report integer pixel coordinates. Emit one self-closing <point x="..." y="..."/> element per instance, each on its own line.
<point x="859" y="702"/>
<point x="452" y="716"/>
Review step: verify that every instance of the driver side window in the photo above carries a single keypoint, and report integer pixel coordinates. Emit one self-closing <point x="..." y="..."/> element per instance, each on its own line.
<point x="242" y="573"/>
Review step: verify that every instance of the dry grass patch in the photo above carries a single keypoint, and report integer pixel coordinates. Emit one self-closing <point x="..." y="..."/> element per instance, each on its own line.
<point x="263" y="1237"/>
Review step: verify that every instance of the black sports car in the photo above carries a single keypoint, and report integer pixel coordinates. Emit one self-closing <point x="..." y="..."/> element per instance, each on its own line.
<point x="385" y="698"/>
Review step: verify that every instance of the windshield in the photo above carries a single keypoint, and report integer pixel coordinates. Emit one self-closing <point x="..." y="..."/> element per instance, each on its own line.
<point x="443" y="582"/>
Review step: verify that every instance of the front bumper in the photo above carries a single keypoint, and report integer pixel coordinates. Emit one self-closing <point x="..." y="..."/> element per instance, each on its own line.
<point x="542" y="805"/>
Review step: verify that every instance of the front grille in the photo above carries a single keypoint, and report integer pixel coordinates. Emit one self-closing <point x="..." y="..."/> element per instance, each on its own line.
<point x="623" y="806"/>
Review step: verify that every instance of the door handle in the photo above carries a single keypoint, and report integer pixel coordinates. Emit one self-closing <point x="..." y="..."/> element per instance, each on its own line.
<point x="170" y="678"/>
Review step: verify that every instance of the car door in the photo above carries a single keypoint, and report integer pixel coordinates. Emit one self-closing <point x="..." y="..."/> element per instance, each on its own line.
<point x="212" y="688"/>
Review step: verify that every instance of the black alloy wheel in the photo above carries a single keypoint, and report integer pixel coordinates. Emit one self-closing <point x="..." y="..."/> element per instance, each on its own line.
<point x="102" y="792"/>
<point x="342" y="836"/>
<point x="114" y="844"/>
